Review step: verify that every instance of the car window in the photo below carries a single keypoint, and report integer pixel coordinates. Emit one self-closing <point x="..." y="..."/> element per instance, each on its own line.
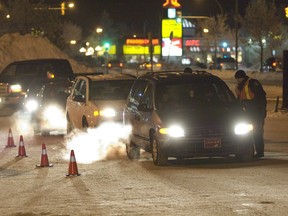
<point x="9" y="70"/>
<point x="147" y="98"/>
<point x="79" y="90"/>
<point x="110" y="90"/>
<point x="191" y="94"/>
<point x="137" y="92"/>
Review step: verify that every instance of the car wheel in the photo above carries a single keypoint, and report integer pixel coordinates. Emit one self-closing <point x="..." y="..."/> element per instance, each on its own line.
<point x="69" y="127"/>
<point x="132" y="151"/>
<point x="85" y="124"/>
<point x="248" y="154"/>
<point x="158" y="156"/>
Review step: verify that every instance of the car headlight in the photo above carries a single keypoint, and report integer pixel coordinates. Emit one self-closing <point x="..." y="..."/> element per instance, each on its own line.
<point x="243" y="128"/>
<point x="108" y="113"/>
<point x="52" y="112"/>
<point x="15" y="88"/>
<point x="173" y="131"/>
<point x="31" y="105"/>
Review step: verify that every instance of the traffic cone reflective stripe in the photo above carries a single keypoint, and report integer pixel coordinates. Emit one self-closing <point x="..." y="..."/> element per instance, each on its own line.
<point x="72" y="170"/>
<point x="21" y="151"/>
<point x="44" y="158"/>
<point x="10" y="141"/>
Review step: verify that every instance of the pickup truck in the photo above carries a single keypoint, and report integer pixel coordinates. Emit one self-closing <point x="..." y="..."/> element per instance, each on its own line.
<point x="20" y="76"/>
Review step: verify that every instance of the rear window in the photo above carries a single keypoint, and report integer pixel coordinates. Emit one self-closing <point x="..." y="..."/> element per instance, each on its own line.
<point x="110" y="90"/>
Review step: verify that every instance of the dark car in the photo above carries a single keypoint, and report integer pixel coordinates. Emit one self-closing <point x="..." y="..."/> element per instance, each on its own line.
<point x="48" y="107"/>
<point x="227" y="63"/>
<point x="272" y="64"/>
<point x="19" y="76"/>
<point x="186" y="114"/>
<point x="115" y="64"/>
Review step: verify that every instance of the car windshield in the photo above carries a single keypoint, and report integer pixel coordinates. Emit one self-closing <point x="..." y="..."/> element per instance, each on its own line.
<point x="110" y="90"/>
<point x="192" y="94"/>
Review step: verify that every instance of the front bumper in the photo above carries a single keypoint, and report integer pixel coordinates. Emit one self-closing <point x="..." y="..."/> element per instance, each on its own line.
<point x="198" y="147"/>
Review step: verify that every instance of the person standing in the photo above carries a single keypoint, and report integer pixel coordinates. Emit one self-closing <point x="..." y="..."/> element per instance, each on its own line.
<point x="251" y="94"/>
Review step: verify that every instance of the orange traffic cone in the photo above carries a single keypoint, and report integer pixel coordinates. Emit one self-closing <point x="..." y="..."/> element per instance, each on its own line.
<point x="21" y="151"/>
<point x="44" y="158"/>
<point x="73" y="170"/>
<point x="10" y="141"/>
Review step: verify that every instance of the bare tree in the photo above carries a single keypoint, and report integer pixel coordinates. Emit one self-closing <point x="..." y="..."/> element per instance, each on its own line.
<point x="218" y="30"/>
<point x="262" y="24"/>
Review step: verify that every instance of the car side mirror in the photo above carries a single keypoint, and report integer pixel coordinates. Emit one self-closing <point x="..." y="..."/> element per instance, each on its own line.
<point x="79" y="98"/>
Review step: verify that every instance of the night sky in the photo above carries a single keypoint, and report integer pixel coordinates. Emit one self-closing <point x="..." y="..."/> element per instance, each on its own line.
<point x="135" y="12"/>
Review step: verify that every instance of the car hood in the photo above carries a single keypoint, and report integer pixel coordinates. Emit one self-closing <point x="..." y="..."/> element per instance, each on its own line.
<point x="204" y="116"/>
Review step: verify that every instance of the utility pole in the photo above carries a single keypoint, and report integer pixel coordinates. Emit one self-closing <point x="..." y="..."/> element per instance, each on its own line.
<point x="236" y="33"/>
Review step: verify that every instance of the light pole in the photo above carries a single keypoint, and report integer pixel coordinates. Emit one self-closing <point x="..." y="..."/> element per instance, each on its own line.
<point x="236" y="34"/>
<point x="219" y="5"/>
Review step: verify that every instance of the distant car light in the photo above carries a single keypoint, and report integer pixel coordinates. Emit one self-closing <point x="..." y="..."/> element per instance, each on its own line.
<point x="31" y="105"/>
<point x="243" y="128"/>
<point x="173" y="131"/>
<point x="16" y="88"/>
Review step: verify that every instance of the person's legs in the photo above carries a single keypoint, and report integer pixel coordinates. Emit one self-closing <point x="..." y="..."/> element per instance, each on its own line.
<point x="259" y="138"/>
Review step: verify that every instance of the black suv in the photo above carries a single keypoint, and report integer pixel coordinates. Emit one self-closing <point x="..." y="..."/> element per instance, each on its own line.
<point x="19" y="76"/>
<point x="186" y="114"/>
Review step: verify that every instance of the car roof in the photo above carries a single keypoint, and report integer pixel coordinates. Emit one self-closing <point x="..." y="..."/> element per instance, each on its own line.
<point x="103" y="77"/>
<point x="179" y="75"/>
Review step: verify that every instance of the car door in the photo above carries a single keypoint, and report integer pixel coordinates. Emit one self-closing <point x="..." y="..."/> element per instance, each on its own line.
<point x="74" y="106"/>
<point x="145" y="109"/>
<point x="131" y="113"/>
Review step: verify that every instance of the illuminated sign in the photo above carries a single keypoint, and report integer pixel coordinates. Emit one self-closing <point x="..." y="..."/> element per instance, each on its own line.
<point x="171" y="13"/>
<point x="169" y="26"/>
<point x="194" y="43"/>
<point x="173" y="3"/>
<point x="140" y="50"/>
<point x="141" y="41"/>
<point x="171" y="48"/>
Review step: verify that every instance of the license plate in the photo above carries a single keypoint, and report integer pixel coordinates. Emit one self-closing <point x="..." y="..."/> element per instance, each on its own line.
<point x="212" y="142"/>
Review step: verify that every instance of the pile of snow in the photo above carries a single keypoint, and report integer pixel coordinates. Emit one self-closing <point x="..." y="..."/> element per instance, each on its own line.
<point x="14" y="47"/>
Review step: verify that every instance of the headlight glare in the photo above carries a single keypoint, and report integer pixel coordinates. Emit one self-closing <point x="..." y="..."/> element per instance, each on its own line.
<point x="173" y="131"/>
<point x="243" y="128"/>
<point x="16" y="88"/>
<point x="31" y="105"/>
<point x="108" y="113"/>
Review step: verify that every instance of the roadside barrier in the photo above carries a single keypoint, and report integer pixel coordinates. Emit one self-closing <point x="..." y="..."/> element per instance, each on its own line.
<point x="21" y="150"/>
<point x="44" y="158"/>
<point x="72" y="170"/>
<point x="10" y="141"/>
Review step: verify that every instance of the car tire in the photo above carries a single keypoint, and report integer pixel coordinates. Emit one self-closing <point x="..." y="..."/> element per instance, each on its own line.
<point x="132" y="151"/>
<point x="158" y="156"/>
<point x="248" y="154"/>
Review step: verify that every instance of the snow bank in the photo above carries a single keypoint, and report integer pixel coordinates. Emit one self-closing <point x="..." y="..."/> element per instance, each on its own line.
<point x="14" y="47"/>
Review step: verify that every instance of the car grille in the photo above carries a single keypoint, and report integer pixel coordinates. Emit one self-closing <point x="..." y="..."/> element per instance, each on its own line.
<point x="199" y="132"/>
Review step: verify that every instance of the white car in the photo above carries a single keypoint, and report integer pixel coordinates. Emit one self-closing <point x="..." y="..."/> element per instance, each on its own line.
<point x="95" y="99"/>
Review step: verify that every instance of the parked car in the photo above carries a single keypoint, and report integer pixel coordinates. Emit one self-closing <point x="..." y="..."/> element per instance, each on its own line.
<point x="47" y="109"/>
<point x="148" y="66"/>
<point x="272" y="64"/>
<point x="223" y="64"/>
<point x="96" y="99"/>
<point x="186" y="114"/>
<point x="19" y="76"/>
<point x="115" y="64"/>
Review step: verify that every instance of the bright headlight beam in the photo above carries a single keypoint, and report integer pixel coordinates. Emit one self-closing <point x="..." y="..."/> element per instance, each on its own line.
<point x="243" y="128"/>
<point x="173" y="131"/>
<point x="108" y="113"/>
<point x="31" y="105"/>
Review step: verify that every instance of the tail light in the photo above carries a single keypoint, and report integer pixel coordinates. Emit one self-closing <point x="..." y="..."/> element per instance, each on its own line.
<point x="50" y="75"/>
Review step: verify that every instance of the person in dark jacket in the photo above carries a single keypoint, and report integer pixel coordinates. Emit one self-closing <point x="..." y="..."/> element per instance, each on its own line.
<point x="251" y="94"/>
